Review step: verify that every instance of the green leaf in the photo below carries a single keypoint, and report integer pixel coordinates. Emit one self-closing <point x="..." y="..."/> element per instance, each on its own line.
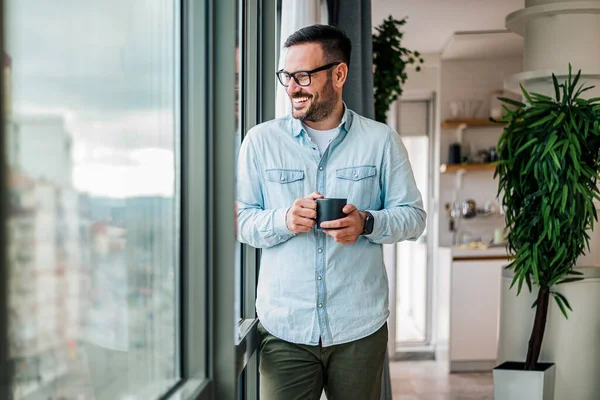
<point x="526" y="94"/>
<point x="528" y="144"/>
<point x="555" y="159"/>
<point x="556" y="87"/>
<point x="564" y="299"/>
<point x="512" y="102"/>
<point x="568" y="280"/>
<point x="573" y="272"/>
<point x="559" y="119"/>
<point x="574" y="84"/>
<point x="541" y="121"/>
<point x="563" y="203"/>
<point x="561" y="306"/>
<point x="549" y="146"/>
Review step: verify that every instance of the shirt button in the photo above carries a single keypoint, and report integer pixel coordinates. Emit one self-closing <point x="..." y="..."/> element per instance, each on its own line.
<point x="283" y="178"/>
<point x="320" y="168"/>
<point x="356" y="175"/>
<point x="320" y="250"/>
<point x="320" y="305"/>
<point x="319" y="277"/>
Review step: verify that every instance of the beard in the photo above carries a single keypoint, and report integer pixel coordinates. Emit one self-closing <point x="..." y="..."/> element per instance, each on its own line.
<point x="321" y="106"/>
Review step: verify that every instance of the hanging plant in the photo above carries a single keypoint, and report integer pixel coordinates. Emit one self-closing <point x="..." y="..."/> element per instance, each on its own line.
<point x="389" y="62"/>
<point x="548" y="170"/>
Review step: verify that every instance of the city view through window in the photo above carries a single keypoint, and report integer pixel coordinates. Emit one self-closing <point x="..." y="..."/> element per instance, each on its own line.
<point x="93" y="147"/>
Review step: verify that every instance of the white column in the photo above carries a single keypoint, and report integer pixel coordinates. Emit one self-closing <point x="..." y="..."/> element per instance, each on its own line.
<point x="556" y="33"/>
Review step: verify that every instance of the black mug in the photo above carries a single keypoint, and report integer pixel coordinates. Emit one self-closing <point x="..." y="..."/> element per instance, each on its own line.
<point x="329" y="209"/>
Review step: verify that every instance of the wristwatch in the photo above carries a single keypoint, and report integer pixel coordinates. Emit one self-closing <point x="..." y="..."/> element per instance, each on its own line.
<point x="369" y="221"/>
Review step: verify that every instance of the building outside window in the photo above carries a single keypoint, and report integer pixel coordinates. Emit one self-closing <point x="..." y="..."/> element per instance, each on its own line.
<point x="92" y="121"/>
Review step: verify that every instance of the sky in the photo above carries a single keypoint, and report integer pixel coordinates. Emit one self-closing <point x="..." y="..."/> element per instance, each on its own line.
<point x="108" y="68"/>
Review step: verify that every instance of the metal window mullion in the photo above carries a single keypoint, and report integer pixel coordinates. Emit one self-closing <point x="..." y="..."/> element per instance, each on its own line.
<point x="6" y="369"/>
<point x="268" y="58"/>
<point x="250" y="104"/>
<point x="194" y="179"/>
<point x="430" y="245"/>
<point x="222" y="193"/>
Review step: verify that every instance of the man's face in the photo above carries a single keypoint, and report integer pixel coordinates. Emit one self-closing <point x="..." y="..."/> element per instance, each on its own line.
<point x="316" y="101"/>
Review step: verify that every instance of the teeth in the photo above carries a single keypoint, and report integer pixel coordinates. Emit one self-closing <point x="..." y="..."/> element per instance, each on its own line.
<point x="299" y="99"/>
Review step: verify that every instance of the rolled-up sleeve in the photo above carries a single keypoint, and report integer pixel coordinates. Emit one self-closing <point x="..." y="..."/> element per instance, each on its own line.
<point x="402" y="216"/>
<point x="257" y="227"/>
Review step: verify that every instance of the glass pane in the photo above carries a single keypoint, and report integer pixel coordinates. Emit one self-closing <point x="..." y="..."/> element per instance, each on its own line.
<point x="411" y="273"/>
<point x="94" y="198"/>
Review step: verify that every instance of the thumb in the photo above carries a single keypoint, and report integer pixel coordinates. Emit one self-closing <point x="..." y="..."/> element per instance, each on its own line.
<point x="349" y="208"/>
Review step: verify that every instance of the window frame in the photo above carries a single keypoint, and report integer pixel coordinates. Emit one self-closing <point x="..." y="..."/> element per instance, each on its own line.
<point x="5" y="367"/>
<point x="212" y="362"/>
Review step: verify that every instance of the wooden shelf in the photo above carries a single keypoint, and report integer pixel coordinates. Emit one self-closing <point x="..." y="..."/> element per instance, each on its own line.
<point x="470" y="122"/>
<point x="453" y="168"/>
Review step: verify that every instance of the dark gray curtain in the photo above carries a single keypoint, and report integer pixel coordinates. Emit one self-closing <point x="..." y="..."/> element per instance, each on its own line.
<point x="355" y="19"/>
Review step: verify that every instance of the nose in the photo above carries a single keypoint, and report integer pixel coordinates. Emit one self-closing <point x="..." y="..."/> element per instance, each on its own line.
<point x="293" y="87"/>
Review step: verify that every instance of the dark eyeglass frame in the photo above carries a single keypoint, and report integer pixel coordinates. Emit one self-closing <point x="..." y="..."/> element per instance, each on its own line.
<point x="281" y="73"/>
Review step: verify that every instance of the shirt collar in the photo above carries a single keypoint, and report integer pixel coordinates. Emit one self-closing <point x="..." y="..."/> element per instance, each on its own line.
<point x="345" y="124"/>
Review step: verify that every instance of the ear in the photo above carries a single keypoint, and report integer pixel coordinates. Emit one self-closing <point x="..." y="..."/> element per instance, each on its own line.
<point x="340" y="74"/>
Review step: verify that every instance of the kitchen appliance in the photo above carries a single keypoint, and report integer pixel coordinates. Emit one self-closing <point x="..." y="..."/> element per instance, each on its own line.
<point x="454" y="156"/>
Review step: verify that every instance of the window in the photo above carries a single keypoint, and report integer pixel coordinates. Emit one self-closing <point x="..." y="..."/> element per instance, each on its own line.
<point x="122" y="273"/>
<point x="94" y="181"/>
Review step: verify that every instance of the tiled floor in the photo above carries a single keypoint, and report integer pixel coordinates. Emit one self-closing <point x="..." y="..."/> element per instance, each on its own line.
<point x="430" y="380"/>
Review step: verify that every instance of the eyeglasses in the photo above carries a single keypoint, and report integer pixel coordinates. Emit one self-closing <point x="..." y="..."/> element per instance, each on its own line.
<point x="302" y="78"/>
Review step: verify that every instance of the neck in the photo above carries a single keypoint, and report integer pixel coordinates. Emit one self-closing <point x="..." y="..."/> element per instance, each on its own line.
<point x="332" y="121"/>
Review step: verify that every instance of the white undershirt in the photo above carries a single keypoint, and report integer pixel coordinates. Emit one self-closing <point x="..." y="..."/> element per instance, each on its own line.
<point x="321" y="138"/>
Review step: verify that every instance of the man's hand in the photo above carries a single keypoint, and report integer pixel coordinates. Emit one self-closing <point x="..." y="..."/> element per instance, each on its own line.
<point x="302" y="214"/>
<point x="346" y="230"/>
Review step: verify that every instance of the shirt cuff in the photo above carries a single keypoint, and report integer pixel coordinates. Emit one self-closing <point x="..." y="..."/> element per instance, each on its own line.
<point x="279" y="225"/>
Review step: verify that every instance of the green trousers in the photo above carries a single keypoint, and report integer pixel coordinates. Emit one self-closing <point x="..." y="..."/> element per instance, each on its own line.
<point x="350" y="371"/>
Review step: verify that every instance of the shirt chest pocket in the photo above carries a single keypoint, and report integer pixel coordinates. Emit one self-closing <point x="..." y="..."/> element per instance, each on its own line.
<point x="359" y="184"/>
<point x="284" y="186"/>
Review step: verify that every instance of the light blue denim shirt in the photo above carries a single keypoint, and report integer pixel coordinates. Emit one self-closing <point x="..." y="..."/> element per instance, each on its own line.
<point x="309" y="286"/>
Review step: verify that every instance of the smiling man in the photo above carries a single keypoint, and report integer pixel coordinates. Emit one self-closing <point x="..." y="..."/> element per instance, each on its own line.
<point x="322" y="297"/>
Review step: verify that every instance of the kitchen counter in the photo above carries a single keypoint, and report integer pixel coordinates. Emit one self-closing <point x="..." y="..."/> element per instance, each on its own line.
<point x="481" y="253"/>
<point x="469" y="282"/>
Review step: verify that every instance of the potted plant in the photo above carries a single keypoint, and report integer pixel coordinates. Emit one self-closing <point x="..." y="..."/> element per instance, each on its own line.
<point x="389" y="64"/>
<point x="548" y="172"/>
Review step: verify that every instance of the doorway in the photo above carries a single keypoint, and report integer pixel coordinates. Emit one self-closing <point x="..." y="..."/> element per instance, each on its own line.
<point x="413" y="305"/>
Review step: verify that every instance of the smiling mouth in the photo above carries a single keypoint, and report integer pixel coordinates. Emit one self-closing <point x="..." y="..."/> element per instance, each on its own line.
<point x="300" y="100"/>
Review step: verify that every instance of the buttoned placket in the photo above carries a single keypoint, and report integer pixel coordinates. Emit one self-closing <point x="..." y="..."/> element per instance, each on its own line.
<point x="321" y="254"/>
<point x="320" y="301"/>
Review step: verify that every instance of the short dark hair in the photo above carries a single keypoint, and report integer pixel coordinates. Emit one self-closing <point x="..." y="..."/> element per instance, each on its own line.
<point x="334" y="42"/>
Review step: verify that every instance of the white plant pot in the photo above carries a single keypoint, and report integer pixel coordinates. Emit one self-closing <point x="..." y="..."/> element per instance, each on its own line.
<point x="512" y="382"/>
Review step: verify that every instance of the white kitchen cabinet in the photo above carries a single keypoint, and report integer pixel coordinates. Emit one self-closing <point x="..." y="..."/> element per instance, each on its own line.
<point x="474" y="313"/>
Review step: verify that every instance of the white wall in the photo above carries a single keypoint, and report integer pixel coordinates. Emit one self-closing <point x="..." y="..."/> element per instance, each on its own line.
<point x="463" y="80"/>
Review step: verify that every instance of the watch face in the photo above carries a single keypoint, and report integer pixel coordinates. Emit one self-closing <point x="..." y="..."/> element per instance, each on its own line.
<point x="369" y="223"/>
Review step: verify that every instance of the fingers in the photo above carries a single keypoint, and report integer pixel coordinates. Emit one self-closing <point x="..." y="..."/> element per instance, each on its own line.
<point x="306" y="203"/>
<point x="314" y="196"/>
<point x="302" y="214"/>
<point x="297" y="224"/>
<point x="345" y="230"/>
<point x="352" y="218"/>
<point x="306" y="213"/>
<point x="337" y="223"/>
<point x="343" y="236"/>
